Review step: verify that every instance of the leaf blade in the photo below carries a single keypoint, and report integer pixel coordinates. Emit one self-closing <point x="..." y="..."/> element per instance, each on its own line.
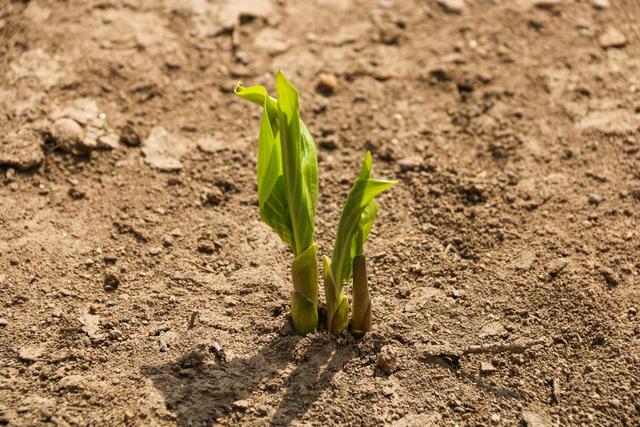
<point x="293" y="156"/>
<point x="362" y="194"/>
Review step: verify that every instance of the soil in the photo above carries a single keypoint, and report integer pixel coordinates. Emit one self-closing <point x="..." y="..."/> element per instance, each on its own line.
<point x="138" y="285"/>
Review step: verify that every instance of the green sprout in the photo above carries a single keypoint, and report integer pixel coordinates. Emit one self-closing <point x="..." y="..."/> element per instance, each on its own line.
<point x="356" y="220"/>
<point x="287" y="193"/>
<point x="288" y="189"/>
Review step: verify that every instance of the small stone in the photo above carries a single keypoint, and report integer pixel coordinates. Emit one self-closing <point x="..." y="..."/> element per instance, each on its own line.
<point x="600" y="4"/>
<point x="612" y="37"/>
<point x="387" y="360"/>
<point x="410" y="163"/>
<point x="487" y="368"/>
<point x="31" y="353"/>
<point x="9" y="174"/>
<point x="109" y="141"/>
<point x="155" y="251"/>
<point x="456" y="7"/>
<point x="543" y="4"/>
<point x="595" y="199"/>
<point x="110" y="258"/>
<point x="456" y="293"/>
<point x="111" y="282"/>
<point x="206" y="247"/>
<point x="76" y="194"/>
<point x="129" y="136"/>
<point x="326" y="84"/>
<point x="632" y="312"/>
<point x="3" y="322"/>
<point x="81" y="110"/>
<point x="67" y="134"/>
<point x="495" y="418"/>
<point x="242" y="404"/>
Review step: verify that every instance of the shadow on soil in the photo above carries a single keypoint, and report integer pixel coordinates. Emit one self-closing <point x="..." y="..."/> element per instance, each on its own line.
<point x="200" y="391"/>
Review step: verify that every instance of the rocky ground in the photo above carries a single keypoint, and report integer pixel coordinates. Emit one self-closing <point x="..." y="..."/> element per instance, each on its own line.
<point x="139" y="287"/>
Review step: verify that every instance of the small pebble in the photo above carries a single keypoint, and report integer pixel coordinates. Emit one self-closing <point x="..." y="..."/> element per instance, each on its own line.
<point x="612" y="37"/>
<point x="456" y="7"/>
<point x="129" y="136"/>
<point x="242" y="405"/>
<point x="111" y="282"/>
<point x="600" y="4"/>
<point x="327" y="84"/>
<point x="155" y="251"/>
<point x="76" y="194"/>
<point x="487" y="368"/>
<point x="67" y="133"/>
<point x="595" y="199"/>
<point x="410" y="163"/>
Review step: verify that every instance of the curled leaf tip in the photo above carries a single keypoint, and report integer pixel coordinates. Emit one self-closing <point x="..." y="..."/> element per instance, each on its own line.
<point x="238" y="88"/>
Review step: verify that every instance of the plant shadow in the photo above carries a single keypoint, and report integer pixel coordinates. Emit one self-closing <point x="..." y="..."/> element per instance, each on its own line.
<point x="199" y="391"/>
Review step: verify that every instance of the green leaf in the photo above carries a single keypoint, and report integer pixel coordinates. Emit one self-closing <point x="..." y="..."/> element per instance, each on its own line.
<point x="272" y="196"/>
<point x="367" y="219"/>
<point x="357" y="215"/>
<point x="259" y="95"/>
<point x="287" y="190"/>
<point x="299" y="165"/>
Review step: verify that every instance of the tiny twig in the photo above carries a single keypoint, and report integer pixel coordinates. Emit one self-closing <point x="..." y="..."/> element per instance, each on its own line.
<point x="450" y="356"/>
<point x="555" y="391"/>
<point x="192" y="319"/>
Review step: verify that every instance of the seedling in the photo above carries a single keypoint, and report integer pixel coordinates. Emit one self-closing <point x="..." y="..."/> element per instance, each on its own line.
<point x="288" y="189"/>
<point x="356" y="220"/>
<point x="287" y="193"/>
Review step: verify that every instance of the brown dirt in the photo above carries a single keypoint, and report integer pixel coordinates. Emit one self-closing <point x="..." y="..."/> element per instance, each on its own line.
<point x="131" y="295"/>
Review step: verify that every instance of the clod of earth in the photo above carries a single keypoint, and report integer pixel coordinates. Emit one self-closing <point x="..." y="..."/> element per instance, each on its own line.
<point x="163" y="150"/>
<point x="21" y="150"/>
